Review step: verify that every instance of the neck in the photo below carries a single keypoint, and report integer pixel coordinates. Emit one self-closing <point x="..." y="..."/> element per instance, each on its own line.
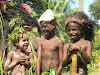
<point x="19" y="50"/>
<point x="74" y="41"/>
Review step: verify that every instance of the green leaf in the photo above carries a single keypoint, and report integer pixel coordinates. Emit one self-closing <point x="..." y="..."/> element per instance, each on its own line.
<point x="52" y="72"/>
<point x="1" y="67"/>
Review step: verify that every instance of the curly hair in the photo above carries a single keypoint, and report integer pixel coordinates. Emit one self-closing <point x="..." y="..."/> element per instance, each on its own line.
<point x="85" y="23"/>
<point x="16" y="39"/>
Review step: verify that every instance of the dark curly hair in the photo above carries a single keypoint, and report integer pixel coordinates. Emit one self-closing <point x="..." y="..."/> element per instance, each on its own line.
<point x="87" y="25"/>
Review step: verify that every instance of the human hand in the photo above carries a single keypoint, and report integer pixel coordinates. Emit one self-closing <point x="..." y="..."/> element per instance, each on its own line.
<point x="6" y="68"/>
<point x="74" y="47"/>
<point x="27" y="62"/>
<point x="24" y="59"/>
<point x="20" y="59"/>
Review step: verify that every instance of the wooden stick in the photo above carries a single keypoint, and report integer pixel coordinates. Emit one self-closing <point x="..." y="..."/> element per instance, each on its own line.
<point x="74" y="64"/>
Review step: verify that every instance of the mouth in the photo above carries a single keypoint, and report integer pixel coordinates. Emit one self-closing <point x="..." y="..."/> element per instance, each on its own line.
<point x="73" y="36"/>
<point x="44" y="30"/>
<point x="25" y="46"/>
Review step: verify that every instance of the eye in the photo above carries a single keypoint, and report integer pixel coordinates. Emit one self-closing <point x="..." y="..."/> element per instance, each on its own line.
<point x="74" y="29"/>
<point x="25" y="40"/>
<point x="67" y="29"/>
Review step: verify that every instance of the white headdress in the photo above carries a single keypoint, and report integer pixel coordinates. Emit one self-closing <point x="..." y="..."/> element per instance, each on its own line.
<point x="48" y="15"/>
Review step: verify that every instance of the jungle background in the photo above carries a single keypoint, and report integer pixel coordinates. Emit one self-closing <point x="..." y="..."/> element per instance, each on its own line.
<point x="60" y="8"/>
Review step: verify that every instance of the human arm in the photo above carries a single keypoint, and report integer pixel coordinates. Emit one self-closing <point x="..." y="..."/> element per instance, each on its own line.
<point x="9" y="64"/>
<point x="65" y="52"/>
<point x="38" y="60"/>
<point x="29" y="60"/>
<point x="60" y="58"/>
<point x="87" y="52"/>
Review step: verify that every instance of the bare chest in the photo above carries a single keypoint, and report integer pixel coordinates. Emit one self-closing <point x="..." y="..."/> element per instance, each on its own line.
<point x="50" y="45"/>
<point x="82" y="44"/>
<point x="17" y="55"/>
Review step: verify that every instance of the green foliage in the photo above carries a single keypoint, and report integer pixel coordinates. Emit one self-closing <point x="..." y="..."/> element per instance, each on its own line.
<point x="96" y="42"/>
<point x="1" y="27"/>
<point x="34" y="53"/>
<point x="95" y="64"/>
<point x="95" y="9"/>
<point x="1" y="67"/>
<point x="15" y="22"/>
<point x="50" y="71"/>
<point x="12" y="3"/>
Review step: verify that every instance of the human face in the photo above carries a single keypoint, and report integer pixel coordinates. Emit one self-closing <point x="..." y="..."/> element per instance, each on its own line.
<point x="74" y="31"/>
<point x="23" y="42"/>
<point x="47" y="27"/>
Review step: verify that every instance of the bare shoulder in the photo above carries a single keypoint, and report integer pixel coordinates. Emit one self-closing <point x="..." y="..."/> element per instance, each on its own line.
<point x="10" y="53"/>
<point x="87" y="42"/>
<point x="59" y="39"/>
<point x="41" y="40"/>
<point x="66" y="45"/>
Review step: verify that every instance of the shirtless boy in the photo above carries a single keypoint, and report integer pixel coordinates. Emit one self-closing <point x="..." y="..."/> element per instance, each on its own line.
<point x="20" y="59"/>
<point x="50" y="47"/>
<point x="80" y="30"/>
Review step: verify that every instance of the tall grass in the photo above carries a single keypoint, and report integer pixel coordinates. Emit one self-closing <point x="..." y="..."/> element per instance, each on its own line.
<point x="1" y="67"/>
<point x="1" y="38"/>
<point x="1" y="27"/>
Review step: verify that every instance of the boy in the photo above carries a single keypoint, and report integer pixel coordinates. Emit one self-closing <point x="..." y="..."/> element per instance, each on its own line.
<point x="80" y="31"/>
<point x="20" y="59"/>
<point x="50" y="47"/>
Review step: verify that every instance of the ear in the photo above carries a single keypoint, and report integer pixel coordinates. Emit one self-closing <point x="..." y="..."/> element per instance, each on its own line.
<point x="20" y="35"/>
<point x="16" y="43"/>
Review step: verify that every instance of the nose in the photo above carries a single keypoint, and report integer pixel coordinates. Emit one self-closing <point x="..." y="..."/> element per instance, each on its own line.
<point x="70" y="32"/>
<point x="44" y="25"/>
<point x="44" y="28"/>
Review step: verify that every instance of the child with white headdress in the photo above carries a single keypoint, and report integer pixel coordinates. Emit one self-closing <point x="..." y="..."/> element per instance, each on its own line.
<point x="50" y="46"/>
